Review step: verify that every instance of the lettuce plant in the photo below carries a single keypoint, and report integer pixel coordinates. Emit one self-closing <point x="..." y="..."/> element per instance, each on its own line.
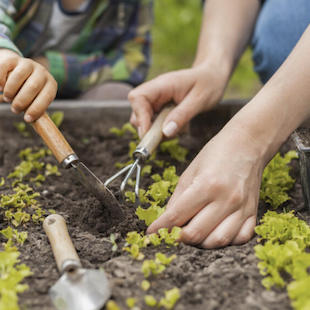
<point x="150" y="266"/>
<point x="57" y="117"/>
<point x="150" y="214"/>
<point x="131" y="302"/>
<point x="285" y="251"/>
<point x="145" y="285"/>
<point x="127" y="127"/>
<point x="170" y="299"/>
<point x="13" y="236"/>
<point x="12" y="273"/>
<point x="150" y="300"/>
<point x="175" y="150"/>
<point x="22" y="128"/>
<point x="112" y="305"/>
<point x="276" y="180"/>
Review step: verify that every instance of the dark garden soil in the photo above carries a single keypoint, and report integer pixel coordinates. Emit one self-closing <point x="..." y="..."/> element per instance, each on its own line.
<point x="208" y="279"/>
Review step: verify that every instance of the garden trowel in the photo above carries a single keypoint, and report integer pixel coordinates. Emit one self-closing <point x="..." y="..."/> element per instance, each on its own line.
<point x="77" y="288"/>
<point x="64" y="154"/>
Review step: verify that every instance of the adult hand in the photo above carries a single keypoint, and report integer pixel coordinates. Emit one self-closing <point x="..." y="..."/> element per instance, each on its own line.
<point x="193" y="90"/>
<point x="216" y="198"/>
<point x="27" y="84"/>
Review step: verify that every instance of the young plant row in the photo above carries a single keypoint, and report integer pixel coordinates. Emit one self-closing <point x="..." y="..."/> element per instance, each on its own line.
<point x="19" y="205"/>
<point x="153" y="200"/>
<point x="284" y="239"/>
<point x="150" y="268"/>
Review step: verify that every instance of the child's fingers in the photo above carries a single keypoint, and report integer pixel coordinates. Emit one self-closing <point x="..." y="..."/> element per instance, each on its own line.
<point x="6" y="66"/>
<point x="16" y="79"/>
<point x="29" y="91"/>
<point x="42" y="101"/>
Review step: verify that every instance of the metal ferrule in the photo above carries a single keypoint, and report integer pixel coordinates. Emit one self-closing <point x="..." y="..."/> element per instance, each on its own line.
<point x="66" y="163"/>
<point x="70" y="265"/>
<point x="142" y="153"/>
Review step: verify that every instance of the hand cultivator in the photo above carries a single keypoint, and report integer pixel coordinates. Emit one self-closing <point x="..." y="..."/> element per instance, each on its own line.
<point x="78" y="288"/>
<point x="143" y="151"/>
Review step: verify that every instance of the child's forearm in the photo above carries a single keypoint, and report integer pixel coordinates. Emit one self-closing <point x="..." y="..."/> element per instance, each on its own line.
<point x="226" y="29"/>
<point x="282" y="104"/>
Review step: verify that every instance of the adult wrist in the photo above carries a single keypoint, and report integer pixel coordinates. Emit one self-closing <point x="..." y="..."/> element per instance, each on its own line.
<point x="264" y="136"/>
<point x="221" y="65"/>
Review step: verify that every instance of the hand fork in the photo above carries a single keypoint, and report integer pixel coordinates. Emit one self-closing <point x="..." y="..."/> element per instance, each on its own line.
<point x="145" y="148"/>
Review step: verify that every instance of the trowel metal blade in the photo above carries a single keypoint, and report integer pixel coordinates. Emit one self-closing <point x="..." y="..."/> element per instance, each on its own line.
<point x="81" y="289"/>
<point x="93" y="184"/>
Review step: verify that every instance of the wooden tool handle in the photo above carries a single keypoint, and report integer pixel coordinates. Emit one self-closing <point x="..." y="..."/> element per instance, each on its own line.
<point x="63" y="249"/>
<point x="52" y="137"/>
<point x="153" y="137"/>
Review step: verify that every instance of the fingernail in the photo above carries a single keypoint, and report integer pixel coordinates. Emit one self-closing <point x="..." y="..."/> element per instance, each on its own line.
<point x="14" y="110"/>
<point x="28" y="118"/>
<point x="170" y="129"/>
<point x="6" y="99"/>
<point x="140" y="132"/>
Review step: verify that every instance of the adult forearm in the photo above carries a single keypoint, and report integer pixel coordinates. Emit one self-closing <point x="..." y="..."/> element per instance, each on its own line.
<point x="282" y="104"/>
<point x="226" y="29"/>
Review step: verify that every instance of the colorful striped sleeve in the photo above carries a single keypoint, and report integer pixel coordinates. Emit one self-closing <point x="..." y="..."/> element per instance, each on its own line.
<point x="7" y="26"/>
<point x="127" y="62"/>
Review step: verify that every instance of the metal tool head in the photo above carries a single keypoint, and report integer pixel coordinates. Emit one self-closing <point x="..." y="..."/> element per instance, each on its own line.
<point x="130" y="168"/>
<point x="80" y="289"/>
<point x="94" y="184"/>
<point x="140" y="154"/>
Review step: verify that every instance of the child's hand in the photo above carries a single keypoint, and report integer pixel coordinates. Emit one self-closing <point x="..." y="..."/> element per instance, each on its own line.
<point x="27" y="84"/>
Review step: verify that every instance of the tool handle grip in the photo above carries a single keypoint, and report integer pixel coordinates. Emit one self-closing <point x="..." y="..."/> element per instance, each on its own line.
<point x="63" y="249"/>
<point x="154" y="136"/>
<point x="52" y="137"/>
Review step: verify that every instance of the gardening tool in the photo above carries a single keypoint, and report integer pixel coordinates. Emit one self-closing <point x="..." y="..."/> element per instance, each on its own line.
<point x="64" y="154"/>
<point x="301" y="138"/>
<point x="77" y="288"/>
<point x="143" y="151"/>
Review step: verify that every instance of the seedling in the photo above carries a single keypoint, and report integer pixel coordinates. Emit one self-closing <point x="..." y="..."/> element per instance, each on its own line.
<point x="22" y="128"/>
<point x="285" y="251"/>
<point x="170" y="299"/>
<point x="145" y="285"/>
<point x="276" y="180"/>
<point x="112" y="305"/>
<point x="174" y="149"/>
<point x="57" y="117"/>
<point x="131" y="302"/>
<point x="150" y="300"/>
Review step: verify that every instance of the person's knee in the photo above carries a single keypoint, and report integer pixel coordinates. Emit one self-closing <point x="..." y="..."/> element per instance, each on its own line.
<point x="278" y="28"/>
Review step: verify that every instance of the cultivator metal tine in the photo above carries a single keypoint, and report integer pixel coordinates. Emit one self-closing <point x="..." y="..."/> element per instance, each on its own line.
<point x="129" y="174"/>
<point x="116" y="175"/>
<point x="137" y="185"/>
<point x="130" y="168"/>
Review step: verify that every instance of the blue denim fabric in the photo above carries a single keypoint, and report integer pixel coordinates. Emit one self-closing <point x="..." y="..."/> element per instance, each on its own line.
<point x="279" y="26"/>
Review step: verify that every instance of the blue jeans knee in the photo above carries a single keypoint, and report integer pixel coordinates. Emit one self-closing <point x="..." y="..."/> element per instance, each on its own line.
<point x="279" y="26"/>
